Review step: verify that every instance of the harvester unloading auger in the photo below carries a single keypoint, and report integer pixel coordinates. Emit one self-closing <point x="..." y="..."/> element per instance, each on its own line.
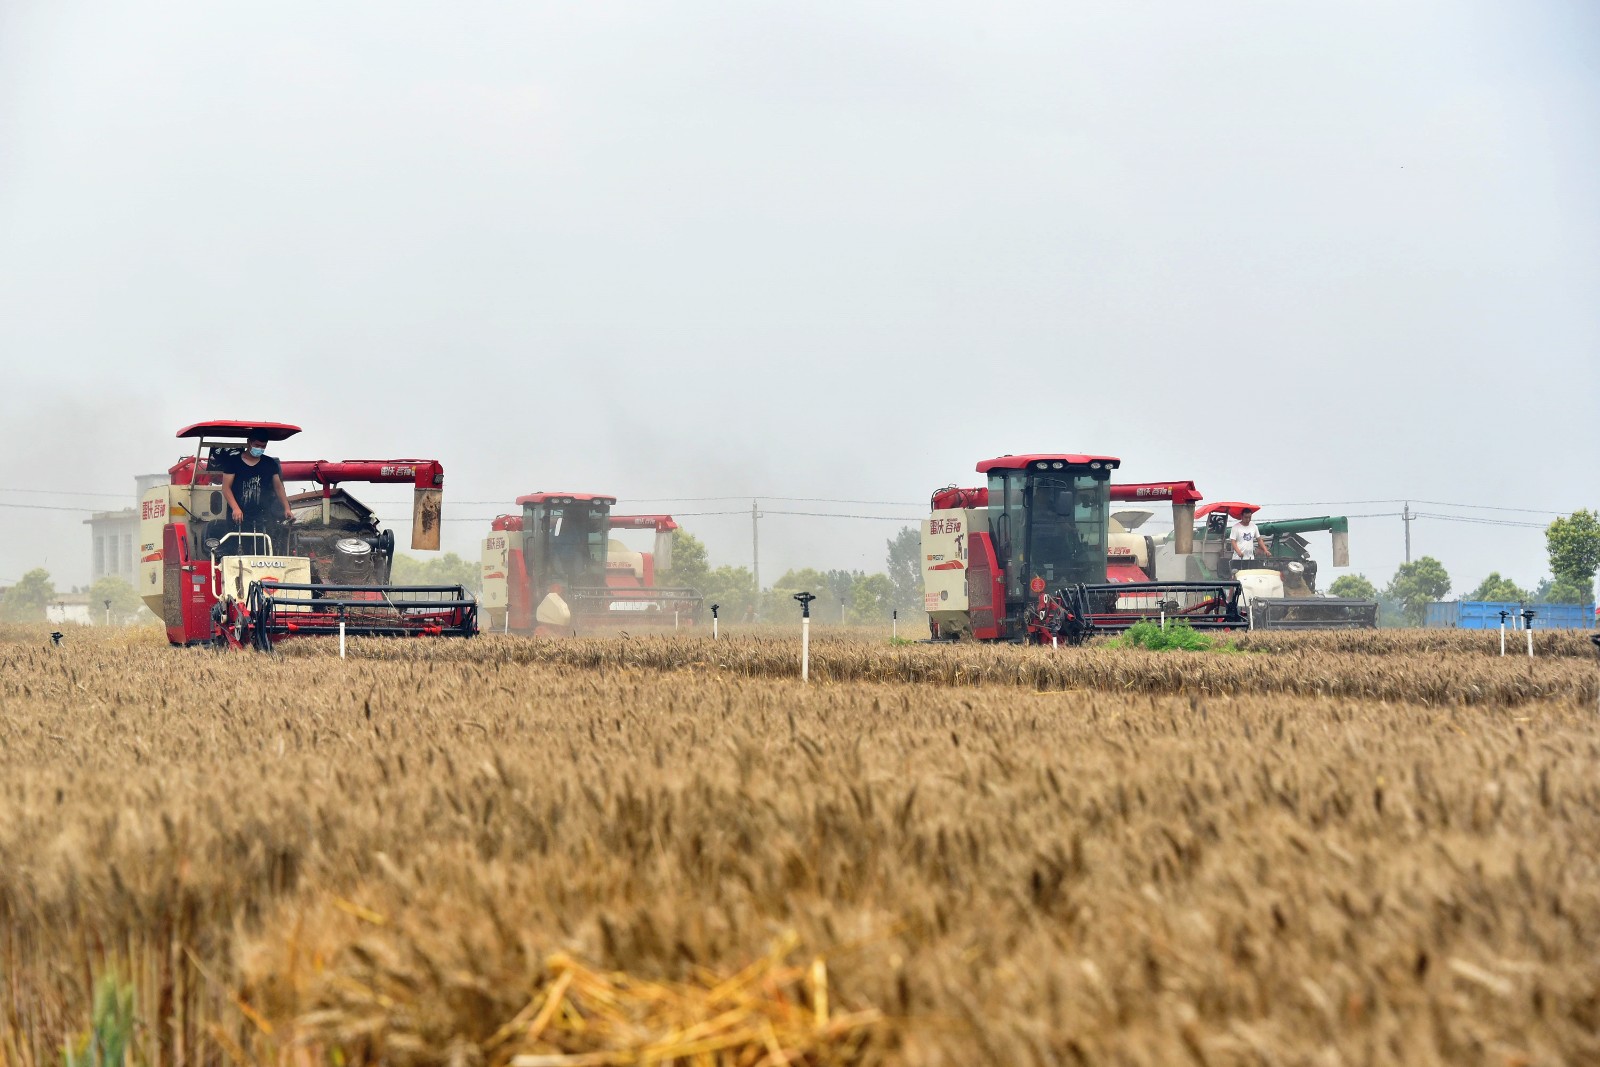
<point x="1024" y="558"/>
<point x="555" y="569"/>
<point x="327" y="572"/>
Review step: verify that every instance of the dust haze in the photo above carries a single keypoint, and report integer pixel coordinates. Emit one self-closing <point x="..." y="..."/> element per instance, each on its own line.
<point x="841" y="251"/>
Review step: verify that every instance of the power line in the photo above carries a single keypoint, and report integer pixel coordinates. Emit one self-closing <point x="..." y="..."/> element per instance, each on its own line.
<point x="1402" y="500"/>
<point x="1479" y="522"/>
<point x="54" y="507"/>
<point x="840" y="515"/>
<point x="67" y="492"/>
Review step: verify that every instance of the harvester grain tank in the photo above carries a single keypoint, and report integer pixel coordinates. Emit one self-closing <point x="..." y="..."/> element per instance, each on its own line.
<point x="327" y="572"/>
<point x="556" y="569"/>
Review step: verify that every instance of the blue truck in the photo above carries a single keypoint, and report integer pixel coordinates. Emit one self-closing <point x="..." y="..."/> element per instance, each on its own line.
<point x="1485" y="615"/>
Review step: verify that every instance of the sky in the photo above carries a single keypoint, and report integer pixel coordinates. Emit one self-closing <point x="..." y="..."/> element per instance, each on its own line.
<point x="837" y="252"/>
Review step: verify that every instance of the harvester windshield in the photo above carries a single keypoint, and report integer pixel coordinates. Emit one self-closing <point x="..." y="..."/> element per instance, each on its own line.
<point x="566" y="537"/>
<point x="1049" y="522"/>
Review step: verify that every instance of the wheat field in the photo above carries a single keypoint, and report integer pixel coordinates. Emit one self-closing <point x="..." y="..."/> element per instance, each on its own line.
<point x="1378" y="848"/>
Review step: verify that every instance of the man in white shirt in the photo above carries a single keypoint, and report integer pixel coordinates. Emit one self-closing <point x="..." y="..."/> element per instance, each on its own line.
<point x="1247" y="538"/>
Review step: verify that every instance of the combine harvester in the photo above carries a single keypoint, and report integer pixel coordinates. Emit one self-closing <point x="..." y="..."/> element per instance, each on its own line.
<point x="1027" y="558"/>
<point x="1280" y="587"/>
<point x="555" y="569"/>
<point x="325" y="573"/>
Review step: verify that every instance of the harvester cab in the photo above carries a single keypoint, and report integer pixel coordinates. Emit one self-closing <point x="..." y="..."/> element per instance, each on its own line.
<point x="326" y="572"/>
<point x="556" y="569"/>
<point x="1025" y="558"/>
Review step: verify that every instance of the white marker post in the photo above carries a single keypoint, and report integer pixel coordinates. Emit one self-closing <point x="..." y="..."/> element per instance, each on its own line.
<point x="1527" y="620"/>
<point x="805" y="634"/>
<point x="341" y="637"/>
<point x="714" y="608"/>
<point x="894" y="625"/>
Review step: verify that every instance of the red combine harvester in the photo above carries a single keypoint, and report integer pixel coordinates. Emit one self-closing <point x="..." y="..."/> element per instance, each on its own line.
<point x="1025" y="558"/>
<point x="555" y="569"/>
<point x="326" y="572"/>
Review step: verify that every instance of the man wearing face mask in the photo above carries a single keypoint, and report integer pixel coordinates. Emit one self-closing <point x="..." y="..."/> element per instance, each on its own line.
<point x="252" y="483"/>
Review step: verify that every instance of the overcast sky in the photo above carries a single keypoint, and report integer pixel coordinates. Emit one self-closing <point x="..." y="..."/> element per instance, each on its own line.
<point x="1296" y="252"/>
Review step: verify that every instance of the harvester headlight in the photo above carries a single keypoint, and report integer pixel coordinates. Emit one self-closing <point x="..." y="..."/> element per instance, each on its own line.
<point x="1058" y="464"/>
<point x="1094" y="465"/>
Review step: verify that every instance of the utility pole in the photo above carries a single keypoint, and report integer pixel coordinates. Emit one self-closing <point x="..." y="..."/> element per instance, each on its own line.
<point x="755" y="545"/>
<point x="1406" y="516"/>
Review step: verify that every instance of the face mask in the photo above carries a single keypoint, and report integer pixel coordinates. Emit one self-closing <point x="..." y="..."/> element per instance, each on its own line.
<point x="258" y="451"/>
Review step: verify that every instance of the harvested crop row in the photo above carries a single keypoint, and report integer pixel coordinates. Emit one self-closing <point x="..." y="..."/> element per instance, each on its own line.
<point x="1428" y="678"/>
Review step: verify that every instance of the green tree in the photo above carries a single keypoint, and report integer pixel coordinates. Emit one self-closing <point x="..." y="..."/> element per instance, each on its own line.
<point x="1497" y="588"/>
<point x="125" y="603"/>
<point x="871" y="599"/>
<point x="733" y="589"/>
<point x="448" y="569"/>
<point x="904" y="568"/>
<point x="1574" y="546"/>
<point x="841" y="586"/>
<point x="1354" y="586"/>
<point x="1566" y="591"/>
<point x="690" y="563"/>
<point x="26" y="601"/>
<point x="1416" y="584"/>
<point x="777" y="603"/>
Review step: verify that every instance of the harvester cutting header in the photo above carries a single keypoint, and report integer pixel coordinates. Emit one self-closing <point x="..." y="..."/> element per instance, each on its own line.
<point x="218" y="575"/>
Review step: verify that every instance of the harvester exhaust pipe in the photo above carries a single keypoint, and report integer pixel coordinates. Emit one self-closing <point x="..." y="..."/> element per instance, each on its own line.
<point x="427" y="510"/>
<point x="1183" y="527"/>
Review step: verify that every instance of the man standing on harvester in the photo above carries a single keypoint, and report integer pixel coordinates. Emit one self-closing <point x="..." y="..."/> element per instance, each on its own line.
<point x="1246" y="539"/>
<point x="250" y="480"/>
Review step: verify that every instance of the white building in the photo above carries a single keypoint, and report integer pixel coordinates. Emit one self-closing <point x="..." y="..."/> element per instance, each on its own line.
<point x="73" y="608"/>
<point x="114" y="536"/>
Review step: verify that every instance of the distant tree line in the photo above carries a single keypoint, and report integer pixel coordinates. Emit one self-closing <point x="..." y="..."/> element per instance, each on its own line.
<point x="855" y="597"/>
<point x="1573" y="544"/>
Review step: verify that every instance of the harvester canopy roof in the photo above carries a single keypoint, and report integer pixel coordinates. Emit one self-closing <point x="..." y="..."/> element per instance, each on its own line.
<point x="1234" y="508"/>
<point x="566" y="498"/>
<point x="230" y="429"/>
<point x="1019" y="462"/>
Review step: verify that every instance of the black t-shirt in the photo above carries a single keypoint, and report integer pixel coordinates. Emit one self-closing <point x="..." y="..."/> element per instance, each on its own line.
<point x="252" y="485"/>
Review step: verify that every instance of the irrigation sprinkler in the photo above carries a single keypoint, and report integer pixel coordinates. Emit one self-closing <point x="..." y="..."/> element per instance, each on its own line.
<point x="108" y="611"/>
<point x="1527" y="623"/>
<point x="714" y="608"/>
<point x="805" y="634"/>
<point x="56" y="636"/>
<point x="1504" y="615"/>
<point x="894" y="625"/>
